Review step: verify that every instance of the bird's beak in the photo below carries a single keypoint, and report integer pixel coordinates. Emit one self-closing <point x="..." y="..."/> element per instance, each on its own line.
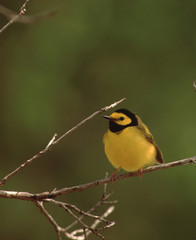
<point x="109" y="118"/>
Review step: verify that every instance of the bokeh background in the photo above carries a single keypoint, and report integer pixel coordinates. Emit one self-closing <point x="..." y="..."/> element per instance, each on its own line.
<point x="57" y="71"/>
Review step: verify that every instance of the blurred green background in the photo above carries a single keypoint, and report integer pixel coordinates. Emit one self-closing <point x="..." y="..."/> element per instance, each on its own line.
<point x="56" y="72"/>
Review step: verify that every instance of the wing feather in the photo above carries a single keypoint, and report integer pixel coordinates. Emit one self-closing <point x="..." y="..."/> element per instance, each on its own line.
<point x="145" y="131"/>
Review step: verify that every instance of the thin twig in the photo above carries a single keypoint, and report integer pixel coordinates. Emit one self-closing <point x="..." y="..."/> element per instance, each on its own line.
<point x="78" y="234"/>
<point x="64" y="206"/>
<point x="105" y="187"/>
<point x="52" y="142"/>
<point x="28" y="162"/>
<point x="58" y="229"/>
<point x="63" y="191"/>
<point x="194" y="85"/>
<point x="106" y="214"/>
<point x="81" y="212"/>
<point x="85" y="237"/>
<point x="94" y="225"/>
<point x="93" y="208"/>
<point x="21" y="12"/>
<point x="104" y="109"/>
<point x="30" y="19"/>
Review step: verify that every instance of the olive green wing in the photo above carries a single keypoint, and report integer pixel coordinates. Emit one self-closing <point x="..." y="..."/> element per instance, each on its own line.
<point x="145" y="131"/>
<point x="159" y="156"/>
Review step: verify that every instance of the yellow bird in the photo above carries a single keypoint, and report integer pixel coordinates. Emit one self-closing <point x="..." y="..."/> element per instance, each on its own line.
<point x="129" y="144"/>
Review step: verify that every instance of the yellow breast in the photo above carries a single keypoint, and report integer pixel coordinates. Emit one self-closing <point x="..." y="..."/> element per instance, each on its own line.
<point x="129" y="149"/>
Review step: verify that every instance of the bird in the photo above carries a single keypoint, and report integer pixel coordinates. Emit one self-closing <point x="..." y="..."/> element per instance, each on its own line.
<point x="129" y="144"/>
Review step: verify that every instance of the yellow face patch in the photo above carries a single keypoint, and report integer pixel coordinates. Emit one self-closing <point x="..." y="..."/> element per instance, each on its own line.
<point x="121" y="118"/>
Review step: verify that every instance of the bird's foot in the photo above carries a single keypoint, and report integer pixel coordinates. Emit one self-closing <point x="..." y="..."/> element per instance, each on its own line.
<point x="139" y="172"/>
<point x="114" y="176"/>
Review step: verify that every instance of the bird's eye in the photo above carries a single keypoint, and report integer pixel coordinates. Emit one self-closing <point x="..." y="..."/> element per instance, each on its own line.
<point x="122" y="118"/>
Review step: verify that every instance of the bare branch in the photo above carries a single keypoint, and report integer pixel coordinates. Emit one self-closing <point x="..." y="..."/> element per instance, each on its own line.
<point x="84" y="231"/>
<point x="30" y="19"/>
<point x="105" y="186"/>
<point x="63" y="191"/>
<point x="93" y="208"/>
<point x="64" y="206"/>
<point x="40" y="199"/>
<point x="58" y="229"/>
<point x="106" y="214"/>
<point x="104" y="109"/>
<point x="67" y="206"/>
<point x="194" y="85"/>
<point x="191" y="160"/>
<point x="78" y="234"/>
<point x="28" y="162"/>
<point x="21" y="12"/>
<point x="81" y="234"/>
<point x="53" y="142"/>
<point x="74" y="234"/>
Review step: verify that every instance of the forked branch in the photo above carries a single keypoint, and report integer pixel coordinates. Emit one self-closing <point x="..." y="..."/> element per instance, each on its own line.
<point x="78" y="215"/>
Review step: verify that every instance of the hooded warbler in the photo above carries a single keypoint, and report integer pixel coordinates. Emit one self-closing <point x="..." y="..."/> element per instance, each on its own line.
<point x="128" y="142"/>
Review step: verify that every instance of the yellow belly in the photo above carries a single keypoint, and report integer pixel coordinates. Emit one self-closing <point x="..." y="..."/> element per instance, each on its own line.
<point x="129" y="149"/>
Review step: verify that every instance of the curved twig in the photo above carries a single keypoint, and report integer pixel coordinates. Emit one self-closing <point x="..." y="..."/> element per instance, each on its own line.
<point x="53" y="141"/>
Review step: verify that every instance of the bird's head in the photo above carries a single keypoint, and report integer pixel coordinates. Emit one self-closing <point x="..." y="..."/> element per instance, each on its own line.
<point x="120" y="119"/>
